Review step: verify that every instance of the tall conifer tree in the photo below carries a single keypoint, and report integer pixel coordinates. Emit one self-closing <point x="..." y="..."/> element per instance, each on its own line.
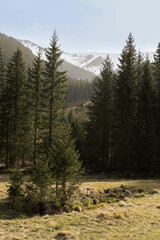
<point x="156" y="72"/>
<point x="147" y="113"/>
<point x="125" y="104"/>
<point x="35" y="84"/>
<point x="64" y="163"/>
<point x="137" y="137"/>
<point x="2" y="102"/>
<point x="100" y="115"/>
<point x="16" y="107"/>
<point x="54" y="88"/>
<point x="2" y="72"/>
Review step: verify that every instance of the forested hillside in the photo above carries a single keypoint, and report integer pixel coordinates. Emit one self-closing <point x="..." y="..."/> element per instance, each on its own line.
<point x="9" y="45"/>
<point x="117" y="131"/>
<point x="78" y="89"/>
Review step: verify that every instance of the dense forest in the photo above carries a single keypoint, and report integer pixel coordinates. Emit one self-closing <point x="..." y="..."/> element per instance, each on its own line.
<point x="124" y="115"/>
<point x="34" y="128"/>
<point x="117" y="129"/>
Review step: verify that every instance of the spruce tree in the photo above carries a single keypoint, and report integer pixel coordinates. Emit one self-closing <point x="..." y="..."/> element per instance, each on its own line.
<point x="35" y="82"/>
<point x="16" y="112"/>
<point x="100" y="115"/>
<point x="39" y="187"/>
<point x="156" y="72"/>
<point x="54" y="89"/>
<point x="137" y="137"/>
<point x="125" y="99"/>
<point x="147" y="112"/>
<point x="64" y="164"/>
<point x="2" y="102"/>
<point x="78" y="123"/>
<point x="2" y="73"/>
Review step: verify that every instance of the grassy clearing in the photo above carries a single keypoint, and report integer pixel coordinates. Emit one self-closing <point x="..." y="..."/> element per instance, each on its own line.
<point x="138" y="219"/>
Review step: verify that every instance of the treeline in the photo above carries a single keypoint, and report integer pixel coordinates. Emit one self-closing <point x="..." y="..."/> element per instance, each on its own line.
<point x="123" y="132"/>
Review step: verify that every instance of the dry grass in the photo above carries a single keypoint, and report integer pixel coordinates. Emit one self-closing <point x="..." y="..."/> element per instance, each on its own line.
<point x="139" y="219"/>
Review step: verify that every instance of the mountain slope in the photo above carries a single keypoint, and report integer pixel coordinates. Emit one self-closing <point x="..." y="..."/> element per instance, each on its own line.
<point x="91" y="62"/>
<point x="9" y="45"/>
<point x="73" y="71"/>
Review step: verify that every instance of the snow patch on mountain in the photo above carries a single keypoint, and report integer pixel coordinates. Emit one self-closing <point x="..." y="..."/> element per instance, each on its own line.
<point x="91" y="62"/>
<point x="34" y="48"/>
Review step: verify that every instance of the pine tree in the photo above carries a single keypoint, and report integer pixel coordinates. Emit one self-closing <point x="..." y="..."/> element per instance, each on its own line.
<point x="54" y="88"/>
<point x="125" y="98"/>
<point x="100" y="115"/>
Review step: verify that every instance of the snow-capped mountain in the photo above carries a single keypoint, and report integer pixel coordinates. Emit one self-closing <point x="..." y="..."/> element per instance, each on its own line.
<point x="33" y="47"/>
<point x="91" y="62"/>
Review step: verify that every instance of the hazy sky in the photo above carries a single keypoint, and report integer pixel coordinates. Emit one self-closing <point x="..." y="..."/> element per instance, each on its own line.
<point x="83" y="25"/>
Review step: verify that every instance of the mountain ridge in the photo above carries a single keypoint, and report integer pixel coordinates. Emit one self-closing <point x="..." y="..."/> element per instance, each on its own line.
<point x="91" y="61"/>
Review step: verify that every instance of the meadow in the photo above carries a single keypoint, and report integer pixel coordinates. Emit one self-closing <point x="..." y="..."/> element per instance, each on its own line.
<point x="136" y="217"/>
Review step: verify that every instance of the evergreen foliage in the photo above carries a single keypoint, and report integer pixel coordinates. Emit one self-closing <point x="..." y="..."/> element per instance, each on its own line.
<point x="134" y="123"/>
<point x="34" y="110"/>
<point x="156" y="73"/>
<point x="15" y="190"/>
<point x="9" y="45"/>
<point x="78" y="121"/>
<point x="64" y="163"/>
<point x="2" y="84"/>
<point x="100" y="115"/>
<point x="14" y="109"/>
<point x="147" y="112"/>
<point x="35" y="85"/>
<point x="121" y="131"/>
<point x="2" y="72"/>
<point x="125" y="101"/>
<point x="39" y="189"/>
<point x="54" y="89"/>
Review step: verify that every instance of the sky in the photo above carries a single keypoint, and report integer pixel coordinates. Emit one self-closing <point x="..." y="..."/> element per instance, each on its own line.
<point x="83" y="25"/>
